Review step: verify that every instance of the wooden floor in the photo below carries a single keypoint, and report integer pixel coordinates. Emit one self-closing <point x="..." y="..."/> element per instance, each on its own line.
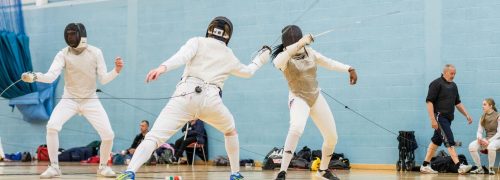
<point x="25" y="171"/>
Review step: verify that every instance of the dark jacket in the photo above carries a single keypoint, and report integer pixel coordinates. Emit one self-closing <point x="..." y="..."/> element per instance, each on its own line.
<point x="197" y="130"/>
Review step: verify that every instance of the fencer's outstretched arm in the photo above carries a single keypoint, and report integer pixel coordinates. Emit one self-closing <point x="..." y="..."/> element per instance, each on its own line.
<point x="102" y="74"/>
<point x="54" y="70"/>
<point x="181" y="57"/>
<point x="247" y="71"/>
<point x="330" y="64"/>
<point x="282" y="58"/>
<point x="333" y="65"/>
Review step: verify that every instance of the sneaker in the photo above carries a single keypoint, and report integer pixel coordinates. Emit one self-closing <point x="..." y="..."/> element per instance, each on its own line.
<point x="427" y="170"/>
<point x="50" y="173"/>
<point x="326" y="174"/>
<point x="127" y="175"/>
<point x="281" y="175"/>
<point x="236" y="176"/>
<point x="106" y="172"/>
<point x="479" y="170"/>
<point x="491" y="171"/>
<point x="462" y="169"/>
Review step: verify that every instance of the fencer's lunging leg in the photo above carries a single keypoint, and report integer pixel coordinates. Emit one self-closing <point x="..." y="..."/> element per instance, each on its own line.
<point x="63" y="111"/>
<point x="53" y="147"/>
<point x="217" y="115"/>
<point x="170" y="120"/>
<point x="233" y="150"/>
<point x="299" y="112"/>
<point x="142" y="154"/>
<point x="323" y="118"/>
<point x="93" y="110"/>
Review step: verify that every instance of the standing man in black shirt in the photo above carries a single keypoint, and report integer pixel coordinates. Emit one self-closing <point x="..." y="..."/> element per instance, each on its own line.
<point x="138" y="139"/>
<point x="442" y="99"/>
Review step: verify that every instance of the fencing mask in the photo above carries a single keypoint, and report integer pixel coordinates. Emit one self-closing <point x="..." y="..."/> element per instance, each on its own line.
<point x="75" y="35"/>
<point x="220" y="28"/>
<point x="290" y="34"/>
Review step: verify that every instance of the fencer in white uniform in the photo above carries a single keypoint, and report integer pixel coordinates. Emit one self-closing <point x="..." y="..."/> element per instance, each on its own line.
<point x="299" y="63"/>
<point x="82" y="65"/>
<point x="208" y="63"/>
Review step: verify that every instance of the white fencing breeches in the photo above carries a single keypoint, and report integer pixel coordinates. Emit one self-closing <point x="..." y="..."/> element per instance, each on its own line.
<point x="93" y="111"/>
<point x="323" y="118"/>
<point x="206" y="106"/>
<point x="492" y="147"/>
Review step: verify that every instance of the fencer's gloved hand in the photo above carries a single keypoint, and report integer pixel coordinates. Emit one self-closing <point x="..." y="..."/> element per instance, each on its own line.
<point x="306" y="40"/>
<point x="28" y="77"/>
<point x="353" y="76"/>
<point x="263" y="56"/>
<point x="266" y="47"/>
<point x="118" y="64"/>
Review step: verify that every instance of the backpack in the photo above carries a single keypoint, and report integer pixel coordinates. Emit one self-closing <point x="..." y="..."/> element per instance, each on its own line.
<point x="26" y="157"/>
<point x="337" y="156"/>
<point x="273" y="158"/>
<point x="168" y="146"/>
<point x="221" y="161"/>
<point x="339" y="164"/>
<point x="93" y="159"/>
<point x="244" y="162"/>
<point x="305" y="153"/>
<point x="445" y="163"/>
<point x="268" y="164"/>
<point x="94" y="146"/>
<point x="300" y="163"/>
<point x="165" y="155"/>
<point x="76" y="154"/>
<point x="42" y="153"/>
<point x="316" y="154"/>
<point x="118" y="159"/>
<point x="14" y="157"/>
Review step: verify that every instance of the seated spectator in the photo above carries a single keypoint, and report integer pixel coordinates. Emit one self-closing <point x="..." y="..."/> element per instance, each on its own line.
<point x="195" y="133"/>
<point x="144" y="125"/>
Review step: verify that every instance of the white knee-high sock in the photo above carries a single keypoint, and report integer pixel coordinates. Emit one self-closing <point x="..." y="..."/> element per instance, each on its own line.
<point x="233" y="152"/>
<point x="476" y="158"/>
<point x="292" y="139"/>
<point x="142" y="154"/>
<point x="492" y="154"/>
<point x="53" y="147"/>
<point x="326" y="155"/>
<point x="104" y="152"/>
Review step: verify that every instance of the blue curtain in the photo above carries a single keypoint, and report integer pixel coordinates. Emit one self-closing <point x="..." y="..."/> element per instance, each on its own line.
<point x="14" y="50"/>
<point x="36" y="106"/>
<point x="36" y="100"/>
